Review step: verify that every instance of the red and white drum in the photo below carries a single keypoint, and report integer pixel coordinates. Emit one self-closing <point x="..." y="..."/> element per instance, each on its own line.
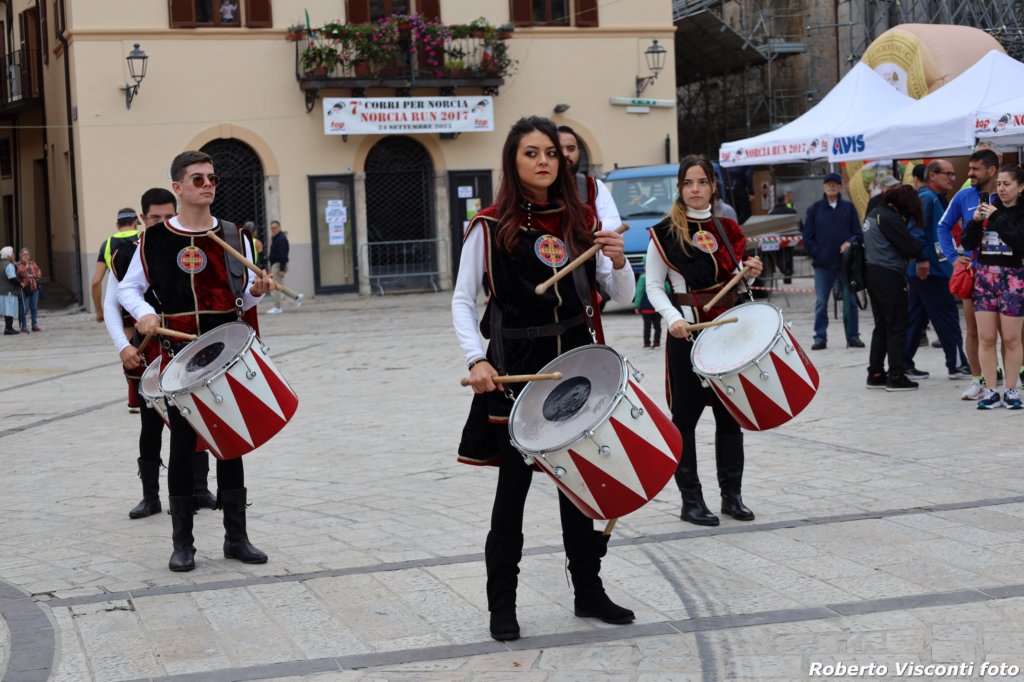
<point x="149" y="389"/>
<point x="226" y="386"/>
<point x="600" y="438"/>
<point x="756" y="367"/>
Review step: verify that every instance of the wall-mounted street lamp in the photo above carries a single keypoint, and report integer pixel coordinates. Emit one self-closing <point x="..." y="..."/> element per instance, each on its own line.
<point x="561" y="108"/>
<point x="655" y="56"/>
<point x="137" y="60"/>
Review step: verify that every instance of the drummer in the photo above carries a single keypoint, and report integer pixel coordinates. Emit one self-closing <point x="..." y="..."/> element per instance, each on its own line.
<point x="537" y="225"/>
<point x="697" y="253"/>
<point x="158" y="205"/>
<point x="191" y="276"/>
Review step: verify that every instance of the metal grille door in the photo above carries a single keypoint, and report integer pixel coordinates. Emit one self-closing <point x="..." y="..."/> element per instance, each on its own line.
<point x="240" y="192"/>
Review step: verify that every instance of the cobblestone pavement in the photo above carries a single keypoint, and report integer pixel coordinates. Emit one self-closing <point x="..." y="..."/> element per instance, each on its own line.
<point x="888" y="530"/>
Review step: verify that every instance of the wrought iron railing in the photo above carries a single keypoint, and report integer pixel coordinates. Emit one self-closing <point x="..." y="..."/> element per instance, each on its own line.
<point x="19" y="77"/>
<point x="409" y="265"/>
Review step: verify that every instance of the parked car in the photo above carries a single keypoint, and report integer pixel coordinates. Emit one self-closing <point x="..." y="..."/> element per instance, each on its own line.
<point x="644" y="195"/>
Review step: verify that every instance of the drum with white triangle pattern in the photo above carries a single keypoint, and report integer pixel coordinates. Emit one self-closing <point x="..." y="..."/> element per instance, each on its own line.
<point x="149" y="389"/>
<point x="756" y="367"/>
<point x="596" y="433"/>
<point x="226" y="386"/>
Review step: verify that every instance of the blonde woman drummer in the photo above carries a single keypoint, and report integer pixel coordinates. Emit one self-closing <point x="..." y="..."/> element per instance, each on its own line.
<point x="535" y="227"/>
<point x="697" y="253"/>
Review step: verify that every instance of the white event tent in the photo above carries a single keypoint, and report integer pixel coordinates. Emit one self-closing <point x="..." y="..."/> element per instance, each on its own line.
<point x="1003" y="123"/>
<point x="939" y="124"/>
<point x="855" y="101"/>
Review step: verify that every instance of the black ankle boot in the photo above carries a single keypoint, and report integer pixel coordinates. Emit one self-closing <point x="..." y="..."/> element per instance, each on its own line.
<point x="729" y="458"/>
<point x="184" y="556"/>
<point x="9" y="326"/>
<point x="200" y="474"/>
<point x="149" y="472"/>
<point x="585" y="553"/>
<point x="502" y="554"/>
<point x="236" y="539"/>
<point x="694" y="509"/>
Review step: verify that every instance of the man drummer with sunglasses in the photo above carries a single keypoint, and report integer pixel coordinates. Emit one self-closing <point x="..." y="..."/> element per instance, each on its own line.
<point x="158" y="206"/>
<point x="198" y="289"/>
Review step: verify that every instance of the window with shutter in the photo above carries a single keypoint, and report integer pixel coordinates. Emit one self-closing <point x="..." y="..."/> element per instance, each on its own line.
<point x="553" y="12"/>
<point x="257" y="14"/>
<point x="586" y="13"/>
<point x="192" y="13"/>
<point x="357" y="11"/>
<point x="521" y="12"/>
<point x="429" y="9"/>
<point x="182" y="13"/>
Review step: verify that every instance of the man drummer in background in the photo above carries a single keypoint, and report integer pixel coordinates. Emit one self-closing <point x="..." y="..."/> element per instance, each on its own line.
<point x="537" y="222"/>
<point x="697" y="254"/>
<point x="191" y="277"/>
<point x="158" y="205"/>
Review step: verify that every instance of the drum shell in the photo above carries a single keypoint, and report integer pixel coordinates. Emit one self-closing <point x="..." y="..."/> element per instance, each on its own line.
<point x="769" y="390"/>
<point x="149" y="389"/>
<point x="239" y="407"/>
<point x="642" y="452"/>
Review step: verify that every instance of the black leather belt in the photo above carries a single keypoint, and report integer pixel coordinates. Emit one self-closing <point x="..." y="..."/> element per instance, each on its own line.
<point x="554" y="329"/>
<point x="727" y="301"/>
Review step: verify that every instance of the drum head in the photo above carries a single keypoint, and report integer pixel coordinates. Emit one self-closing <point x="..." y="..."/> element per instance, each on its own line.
<point x="552" y="415"/>
<point x="206" y="357"/>
<point x="149" y="385"/>
<point x="731" y="347"/>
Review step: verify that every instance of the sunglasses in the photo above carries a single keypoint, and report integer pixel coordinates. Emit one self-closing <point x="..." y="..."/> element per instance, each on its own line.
<point x="198" y="180"/>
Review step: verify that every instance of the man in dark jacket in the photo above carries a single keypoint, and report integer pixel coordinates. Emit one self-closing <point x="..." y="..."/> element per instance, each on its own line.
<point x="278" y="260"/>
<point x="829" y="225"/>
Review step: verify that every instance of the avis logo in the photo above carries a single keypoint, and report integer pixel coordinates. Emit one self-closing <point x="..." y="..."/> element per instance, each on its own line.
<point x="847" y="145"/>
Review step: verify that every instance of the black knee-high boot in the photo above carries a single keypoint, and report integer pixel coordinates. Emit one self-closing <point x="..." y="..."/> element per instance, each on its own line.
<point x="200" y="475"/>
<point x="9" y="325"/>
<point x="236" y="539"/>
<point x="694" y="509"/>
<point x="585" y="553"/>
<point x="184" y="556"/>
<point x="729" y="458"/>
<point x="149" y="472"/>
<point x="502" y="554"/>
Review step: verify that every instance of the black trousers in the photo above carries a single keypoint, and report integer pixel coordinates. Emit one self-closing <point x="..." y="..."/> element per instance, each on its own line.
<point x="230" y="472"/>
<point x="652" y="321"/>
<point x="887" y="290"/>
<point x="688" y="397"/>
<point x="150" y="434"/>
<point x="514" y="478"/>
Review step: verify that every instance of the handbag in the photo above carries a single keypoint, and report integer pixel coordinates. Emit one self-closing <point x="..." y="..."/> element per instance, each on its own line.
<point x="961" y="282"/>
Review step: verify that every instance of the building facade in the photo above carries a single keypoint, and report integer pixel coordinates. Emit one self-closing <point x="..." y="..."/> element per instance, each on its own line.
<point x="364" y="211"/>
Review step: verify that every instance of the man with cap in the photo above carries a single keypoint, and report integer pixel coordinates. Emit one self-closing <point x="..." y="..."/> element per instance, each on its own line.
<point x="127" y="233"/>
<point x="829" y="226"/>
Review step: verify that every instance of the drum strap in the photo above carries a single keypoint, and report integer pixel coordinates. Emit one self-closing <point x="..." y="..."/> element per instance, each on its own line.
<point x="579" y="278"/>
<point x="728" y="247"/>
<point x="236" y="269"/>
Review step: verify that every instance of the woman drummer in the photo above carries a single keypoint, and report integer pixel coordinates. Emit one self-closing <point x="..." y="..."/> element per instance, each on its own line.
<point x="697" y="252"/>
<point x="537" y="225"/>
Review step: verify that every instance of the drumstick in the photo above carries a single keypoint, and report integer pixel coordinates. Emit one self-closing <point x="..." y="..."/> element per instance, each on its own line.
<point x="610" y="525"/>
<point x="144" y="342"/>
<point x="578" y="261"/>
<point x="163" y="331"/>
<point x="252" y="266"/>
<point x="729" y="285"/>
<point x="712" y="323"/>
<point x="519" y="378"/>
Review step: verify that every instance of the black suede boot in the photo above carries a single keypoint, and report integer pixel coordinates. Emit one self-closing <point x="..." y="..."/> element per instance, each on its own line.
<point x="181" y="510"/>
<point x="591" y="601"/>
<point x="729" y="458"/>
<point x="694" y="509"/>
<point x="200" y="475"/>
<point x="149" y="472"/>
<point x="502" y="554"/>
<point x="236" y="540"/>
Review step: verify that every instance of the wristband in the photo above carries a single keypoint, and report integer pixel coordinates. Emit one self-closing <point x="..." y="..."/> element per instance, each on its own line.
<point x="473" y="362"/>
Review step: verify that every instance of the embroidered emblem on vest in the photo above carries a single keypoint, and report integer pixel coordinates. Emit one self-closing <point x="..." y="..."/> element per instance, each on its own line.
<point x="705" y="241"/>
<point x="551" y="250"/>
<point x="192" y="260"/>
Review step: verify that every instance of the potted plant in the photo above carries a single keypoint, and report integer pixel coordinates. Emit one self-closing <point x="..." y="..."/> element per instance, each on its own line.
<point x="295" y="33"/>
<point x="318" y="60"/>
<point x="379" y="43"/>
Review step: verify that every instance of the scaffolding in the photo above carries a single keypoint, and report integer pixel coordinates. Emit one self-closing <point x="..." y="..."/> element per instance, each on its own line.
<point x="744" y="66"/>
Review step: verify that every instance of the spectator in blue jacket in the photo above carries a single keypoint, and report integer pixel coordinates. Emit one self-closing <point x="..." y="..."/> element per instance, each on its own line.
<point x="981" y="170"/>
<point x="928" y="280"/>
<point x="829" y="226"/>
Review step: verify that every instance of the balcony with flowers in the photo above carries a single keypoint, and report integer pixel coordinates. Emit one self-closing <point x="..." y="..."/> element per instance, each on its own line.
<point x="401" y="52"/>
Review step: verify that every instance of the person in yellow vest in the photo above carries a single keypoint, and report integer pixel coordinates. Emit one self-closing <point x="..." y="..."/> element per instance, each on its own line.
<point x="127" y="232"/>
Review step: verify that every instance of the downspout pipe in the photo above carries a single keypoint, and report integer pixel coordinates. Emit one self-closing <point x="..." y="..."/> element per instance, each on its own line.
<point x="71" y="154"/>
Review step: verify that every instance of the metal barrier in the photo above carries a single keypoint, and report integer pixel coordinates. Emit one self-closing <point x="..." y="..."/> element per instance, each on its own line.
<point x="410" y="265"/>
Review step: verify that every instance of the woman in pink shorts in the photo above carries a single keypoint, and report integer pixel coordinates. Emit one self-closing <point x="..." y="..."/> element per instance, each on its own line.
<point x="997" y="232"/>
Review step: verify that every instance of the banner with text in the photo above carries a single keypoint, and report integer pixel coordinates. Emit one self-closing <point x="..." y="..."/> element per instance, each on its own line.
<point x="408" y="115"/>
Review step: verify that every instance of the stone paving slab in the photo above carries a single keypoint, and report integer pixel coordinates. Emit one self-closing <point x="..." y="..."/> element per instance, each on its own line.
<point x="881" y="517"/>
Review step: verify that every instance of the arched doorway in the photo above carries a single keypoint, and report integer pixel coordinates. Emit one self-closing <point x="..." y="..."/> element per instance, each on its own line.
<point x="401" y="243"/>
<point x="240" y="192"/>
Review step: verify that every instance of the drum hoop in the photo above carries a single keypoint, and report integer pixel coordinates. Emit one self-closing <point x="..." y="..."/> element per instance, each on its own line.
<point x="765" y="353"/>
<point x="185" y="390"/>
<point x="156" y="363"/>
<point x="614" y="403"/>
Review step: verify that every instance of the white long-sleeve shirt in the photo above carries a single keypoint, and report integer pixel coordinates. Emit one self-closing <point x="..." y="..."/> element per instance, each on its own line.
<point x="607" y="211"/>
<point x="132" y="289"/>
<point x="112" y="315"/>
<point x="620" y="285"/>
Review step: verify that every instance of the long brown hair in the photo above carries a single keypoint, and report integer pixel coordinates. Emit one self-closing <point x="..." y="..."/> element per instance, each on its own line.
<point x="680" y="226"/>
<point x="905" y="201"/>
<point x="512" y="199"/>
